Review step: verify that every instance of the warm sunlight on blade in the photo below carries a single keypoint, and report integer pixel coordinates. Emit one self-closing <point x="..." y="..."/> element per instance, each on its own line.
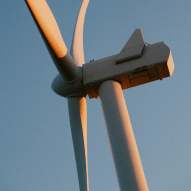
<point x="48" y="25"/>
<point x="78" y="50"/>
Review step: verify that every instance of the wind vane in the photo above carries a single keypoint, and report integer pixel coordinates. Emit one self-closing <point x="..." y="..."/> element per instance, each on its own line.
<point x="136" y="64"/>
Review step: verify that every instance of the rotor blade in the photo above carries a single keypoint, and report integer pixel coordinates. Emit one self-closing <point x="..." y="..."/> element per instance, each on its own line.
<point x="78" y="122"/>
<point x="51" y="35"/>
<point x="77" y="49"/>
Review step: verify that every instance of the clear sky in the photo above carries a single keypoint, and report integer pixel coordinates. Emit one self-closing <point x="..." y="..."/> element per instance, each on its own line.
<point x="36" y="151"/>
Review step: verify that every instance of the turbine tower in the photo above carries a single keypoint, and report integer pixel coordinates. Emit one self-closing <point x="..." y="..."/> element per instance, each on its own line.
<point x="136" y="64"/>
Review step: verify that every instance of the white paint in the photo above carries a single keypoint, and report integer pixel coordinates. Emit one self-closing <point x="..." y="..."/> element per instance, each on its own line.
<point x="123" y="145"/>
<point x="78" y="122"/>
<point x="77" y="46"/>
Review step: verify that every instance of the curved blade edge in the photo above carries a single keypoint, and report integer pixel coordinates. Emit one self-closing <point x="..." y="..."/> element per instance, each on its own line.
<point x="77" y="50"/>
<point x="52" y="38"/>
<point x="78" y="122"/>
<point x="48" y="25"/>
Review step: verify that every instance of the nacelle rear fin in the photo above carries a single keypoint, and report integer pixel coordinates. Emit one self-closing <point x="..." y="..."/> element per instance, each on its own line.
<point x="133" y="48"/>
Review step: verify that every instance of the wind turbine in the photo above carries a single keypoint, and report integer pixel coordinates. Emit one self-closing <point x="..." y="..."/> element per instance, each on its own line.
<point x="136" y="64"/>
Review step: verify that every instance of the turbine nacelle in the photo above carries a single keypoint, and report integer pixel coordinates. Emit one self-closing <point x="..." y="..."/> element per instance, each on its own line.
<point x="135" y="65"/>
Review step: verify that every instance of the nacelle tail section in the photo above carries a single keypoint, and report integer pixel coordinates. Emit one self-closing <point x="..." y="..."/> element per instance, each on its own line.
<point x="133" y="48"/>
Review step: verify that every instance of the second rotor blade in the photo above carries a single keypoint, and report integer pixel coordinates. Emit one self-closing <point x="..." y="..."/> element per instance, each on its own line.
<point x="52" y="37"/>
<point x="78" y="123"/>
<point x="77" y="49"/>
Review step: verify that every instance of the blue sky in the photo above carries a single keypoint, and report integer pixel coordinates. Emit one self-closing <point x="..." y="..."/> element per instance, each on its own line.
<point x="36" y="151"/>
